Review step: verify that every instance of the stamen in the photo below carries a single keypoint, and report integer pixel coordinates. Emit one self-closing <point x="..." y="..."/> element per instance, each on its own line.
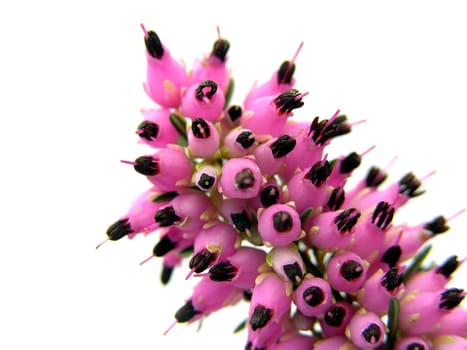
<point x="288" y="101"/>
<point x="148" y="130"/>
<point x="206" y="89"/>
<point x="246" y="139"/>
<point x="269" y="195"/>
<point x="241" y="221"/>
<point x="260" y="317"/>
<point x="336" y="199"/>
<point x="244" y="179"/>
<point x="351" y="270"/>
<point x="153" y="43"/>
<point x="313" y="296"/>
<point x="166" y="217"/>
<point x="451" y="298"/>
<point x="319" y="173"/>
<point x="234" y="112"/>
<point x="347" y="219"/>
<point x="200" y="128"/>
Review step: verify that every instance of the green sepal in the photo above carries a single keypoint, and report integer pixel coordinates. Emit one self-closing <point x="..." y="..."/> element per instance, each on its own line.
<point x="416" y="262"/>
<point x="393" y="317"/>
<point x="229" y="92"/>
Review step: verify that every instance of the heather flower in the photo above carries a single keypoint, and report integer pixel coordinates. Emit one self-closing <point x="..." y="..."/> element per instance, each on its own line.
<point x="246" y="201"/>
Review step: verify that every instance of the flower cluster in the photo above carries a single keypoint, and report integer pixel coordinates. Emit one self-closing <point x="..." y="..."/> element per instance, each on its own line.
<point x="249" y="197"/>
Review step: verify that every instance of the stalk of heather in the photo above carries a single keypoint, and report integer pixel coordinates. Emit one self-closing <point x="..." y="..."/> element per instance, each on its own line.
<point x="245" y="200"/>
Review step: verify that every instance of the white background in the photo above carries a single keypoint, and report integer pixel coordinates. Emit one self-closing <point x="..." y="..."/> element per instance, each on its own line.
<point x="70" y="94"/>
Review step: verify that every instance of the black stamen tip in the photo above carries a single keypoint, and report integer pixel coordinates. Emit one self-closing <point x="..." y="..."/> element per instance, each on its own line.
<point x="244" y="179"/>
<point x="448" y="267"/>
<point x="223" y="271"/>
<point x="319" y="173"/>
<point x="415" y="346"/>
<point x="335" y="316"/>
<point x="382" y="215"/>
<point x="202" y="260"/>
<point x="350" y="163"/>
<point x="186" y="312"/>
<point x="269" y="195"/>
<point x="260" y="317"/>
<point x="234" y="112"/>
<point x="119" y="229"/>
<point x="285" y="73"/>
<point x="372" y="333"/>
<point x="166" y="217"/>
<point x="375" y="177"/>
<point x="220" y="49"/>
<point x="313" y="296"/>
<point x="323" y="131"/>
<point x="288" y="101"/>
<point x="351" y="270"/>
<point x="392" y="255"/>
<point x="246" y="139"/>
<point x="146" y="165"/>
<point x="409" y="185"/>
<point x="392" y="279"/>
<point x="200" y="128"/>
<point x="166" y="274"/>
<point x="283" y="146"/>
<point x="347" y="219"/>
<point x="282" y="221"/>
<point x="153" y="44"/>
<point x="336" y="199"/>
<point x="451" y="298"/>
<point x="294" y="273"/>
<point x="206" y="89"/>
<point x="437" y="225"/>
<point x="241" y="221"/>
<point x="148" y="130"/>
<point x="206" y="181"/>
<point x="164" y="246"/>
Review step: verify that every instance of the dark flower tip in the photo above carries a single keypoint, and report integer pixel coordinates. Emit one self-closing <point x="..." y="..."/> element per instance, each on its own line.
<point x="416" y="346"/>
<point x="207" y="88"/>
<point x="166" y="217"/>
<point x="347" y="219"/>
<point x="294" y="273"/>
<point x="148" y="130"/>
<point x="375" y="177"/>
<point x="223" y="271"/>
<point x="166" y="274"/>
<point x="200" y="128"/>
<point x="241" y="221"/>
<point x="206" y="181"/>
<point x="153" y="44"/>
<point x="351" y="270"/>
<point x="382" y="215"/>
<point x="234" y="112"/>
<point x="372" y="333"/>
<point x="392" y="279"/>
<point x="283" y="146"/>
<point x="269" y="195"/>
<point x="246" y="139"/>
<point x="350" y="163"/>
<point x="164" y="246"/>
<point x="448" y="267"/>
<point x="220" y="49"/>
<point x="392" y="255"/>
<point x="186" y="312"/>
<point x="451" y="298"/>
<point x="288" y="101"/>
<point x="285" y="73"/>
<point x="323" y="131"/>
<point x="335" y="316"/>
<point x="201" y="260"/>
<point x="313" y="296"/>
<point x="119" y="229"/>
<point x="336" y="199"/>
<point x="244" y="179"/>
<point x="319" y="173"/>
<point x="146" y="165"/>
<point x="409" y="185"/>
<point x="260" y="317"/>
<point x="437" y="225"/>
<point x="282" y="221"/>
